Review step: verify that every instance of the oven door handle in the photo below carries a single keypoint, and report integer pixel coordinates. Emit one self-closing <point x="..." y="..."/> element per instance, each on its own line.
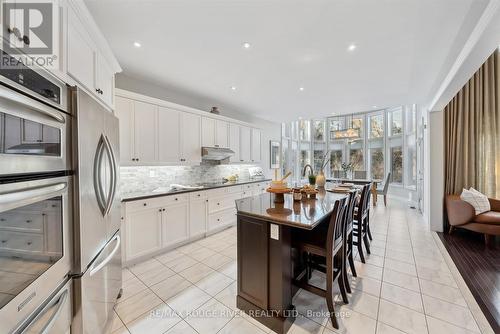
<point x="50" y="323"/>
<point x="96" y="267"/>
<point x="98" y="187"/>
<point x="32" y="104"/>
<point x="113" y="173"/>
<point x="15" y="199"/>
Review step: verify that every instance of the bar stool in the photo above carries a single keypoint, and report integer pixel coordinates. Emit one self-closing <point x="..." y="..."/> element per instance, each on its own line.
<point x="317" y="245"/>
<point x="360" y="222"/>
<point x="349" y="238"/>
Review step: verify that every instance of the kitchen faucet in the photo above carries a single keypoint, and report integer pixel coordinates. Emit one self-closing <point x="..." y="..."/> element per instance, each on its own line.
<point x="304" y="170"/>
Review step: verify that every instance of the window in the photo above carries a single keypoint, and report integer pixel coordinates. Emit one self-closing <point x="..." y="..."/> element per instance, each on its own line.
<point x="319" y="131"/>
<point x="304" y="130"/>
<point x="318" y="156"/>
<point x="356" y="155"/>
<point x="335" y="161"/>
<point x="396" y="164"/>
<point x="357" y="123"/>
<point x="335" y="124"/>
<point x="285" y="157"/>
<point x="304" y="159"/>
<point x="377" y="163"/>
<point x="377" y="126"/>
<point x="395" y="122"/>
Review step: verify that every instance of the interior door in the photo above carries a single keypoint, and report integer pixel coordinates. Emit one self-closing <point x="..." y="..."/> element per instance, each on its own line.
<point x="90" y="129"/>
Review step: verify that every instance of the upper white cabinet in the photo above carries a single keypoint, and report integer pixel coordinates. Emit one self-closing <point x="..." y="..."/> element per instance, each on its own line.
<point x="256" y="146"/>
<point x="245" y="144"/>
<point x="153" y="132"/>
<point x="207" y="132"/>
<point x="221" y="134"/>
<point x="105" y="81"/>
<point x="234" y="141"/>
<point x="145" y="132"/>
<point x="190" y="138"/>
<point x="169" y="124"/>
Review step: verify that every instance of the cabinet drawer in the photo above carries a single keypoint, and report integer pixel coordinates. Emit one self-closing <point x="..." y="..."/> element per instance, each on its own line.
<point x="221" y="219"/>
<point x="21" y="242"/>
<point x="18" y="220"/>
<point x="199" y="195"/>
<point x="222" y="203"/>
<point x="156" y="202"/>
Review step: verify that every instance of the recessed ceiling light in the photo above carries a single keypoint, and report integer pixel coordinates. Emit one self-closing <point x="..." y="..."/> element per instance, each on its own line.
<point x="137" y="44"/>
<point x="352" y="47"/>
<point x="301" y="89"/>
<point x="233" y="88"/>
<point x="246" y="45"/>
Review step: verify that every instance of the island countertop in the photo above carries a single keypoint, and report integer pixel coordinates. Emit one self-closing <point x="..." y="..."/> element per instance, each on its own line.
<point x="304" y="214"/>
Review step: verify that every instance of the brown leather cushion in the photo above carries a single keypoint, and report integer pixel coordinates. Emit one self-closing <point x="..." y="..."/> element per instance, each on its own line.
<point x="490" y="217"/>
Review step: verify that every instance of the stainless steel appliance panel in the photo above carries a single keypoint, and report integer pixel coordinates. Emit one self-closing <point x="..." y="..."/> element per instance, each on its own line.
<point x="33" y="136"/>
<point x="113" y="138"/>
<point x="97" y="290"/>
<point x="35" y="240"/>
<point x="54" y="316"/>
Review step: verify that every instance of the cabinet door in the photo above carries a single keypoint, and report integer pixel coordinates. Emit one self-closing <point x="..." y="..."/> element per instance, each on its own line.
<point x="234" y="141"/>
<point x="81" y="53"/>
<point x="105" y="81"/>
<point x="221" y="134"/>
<point x="125" y="112"/>
<point x="190" y="137"/>
<point x="197" y="217"/>
<point x="168" y="135"/>
<point x="256" y="145"/>
<point x="207" y="132"/>
<point x="174" y="224"/>
<point x="145" y="137"/>
<point x="245" y="139"/>
<point x="143" y="232"/>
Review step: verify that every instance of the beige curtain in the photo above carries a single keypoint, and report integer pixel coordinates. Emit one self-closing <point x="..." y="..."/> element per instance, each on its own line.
<point x="472" y="133"/>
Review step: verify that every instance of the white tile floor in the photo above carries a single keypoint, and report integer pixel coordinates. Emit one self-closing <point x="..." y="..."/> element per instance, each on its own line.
<point x="405" y="287"/>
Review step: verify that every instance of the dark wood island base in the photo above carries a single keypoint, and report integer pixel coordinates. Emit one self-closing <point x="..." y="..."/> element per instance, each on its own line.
<point x="265" y="259"/>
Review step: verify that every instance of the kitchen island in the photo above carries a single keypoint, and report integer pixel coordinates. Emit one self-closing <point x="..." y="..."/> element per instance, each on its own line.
<point x="267" y="262"/>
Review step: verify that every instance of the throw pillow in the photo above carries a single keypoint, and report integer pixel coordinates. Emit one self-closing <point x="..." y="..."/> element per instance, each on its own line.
<point x="478" y="200"/>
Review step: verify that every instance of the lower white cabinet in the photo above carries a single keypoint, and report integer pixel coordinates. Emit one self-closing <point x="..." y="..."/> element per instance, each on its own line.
<point x="143" y="232"/>
<point x="198" y="217"/>
<point x="174" y="224"/>
<point x="160" y="223"/>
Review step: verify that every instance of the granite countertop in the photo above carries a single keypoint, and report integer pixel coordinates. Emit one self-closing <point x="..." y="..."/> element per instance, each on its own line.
<point x="304" y="214"/>
<point x="165" y="191"/>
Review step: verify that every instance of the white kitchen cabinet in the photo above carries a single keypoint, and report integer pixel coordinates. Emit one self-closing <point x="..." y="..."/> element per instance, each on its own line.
<point x="169" y="123"/>
<point x="174" y="224"/>
<point x="221" y="134"/>
<point x="197" y="217"/>
<point x="145" y="136"/>
<point x="143" y="232"/>
<point x="245" y="144"/>
<point x="256" y="146"/>
<point x="234" y="141"/>
<point x="207" y="132"/>
<point x="105" y="87"/>
<point x="125" y="112"/>
<point x="190" y="138"/>
<point x="81" y="52"/>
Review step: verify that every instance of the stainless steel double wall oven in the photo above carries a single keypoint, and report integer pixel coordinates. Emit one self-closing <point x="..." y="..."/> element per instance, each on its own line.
<point x="60" y="264"/>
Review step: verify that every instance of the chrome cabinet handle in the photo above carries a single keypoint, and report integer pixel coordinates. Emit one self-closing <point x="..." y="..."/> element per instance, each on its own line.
<point x="50" y="323"/>
<point x="96" y="267"/>
<point x="11" y="200"/>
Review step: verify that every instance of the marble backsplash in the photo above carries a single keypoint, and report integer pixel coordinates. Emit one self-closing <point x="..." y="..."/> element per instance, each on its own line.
<point x="143" y="179"/>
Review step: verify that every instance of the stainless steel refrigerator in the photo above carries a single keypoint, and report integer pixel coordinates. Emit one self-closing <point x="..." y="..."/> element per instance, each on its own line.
<point x="97" y="265"/>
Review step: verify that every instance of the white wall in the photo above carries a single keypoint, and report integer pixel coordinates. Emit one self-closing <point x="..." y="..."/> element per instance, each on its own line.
<point x="270" y="130"/>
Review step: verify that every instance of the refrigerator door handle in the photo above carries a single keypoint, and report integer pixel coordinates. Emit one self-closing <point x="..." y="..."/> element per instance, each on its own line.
<point x="96" y="267"/>
<point x="11" y="200"/>
<point x="50" y="323"/>
<point x="98" y="187"/>
<point x="113" y="171"/>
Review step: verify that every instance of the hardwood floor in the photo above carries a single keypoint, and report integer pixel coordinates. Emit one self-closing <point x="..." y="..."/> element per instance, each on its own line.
<point x="480" y="267"/>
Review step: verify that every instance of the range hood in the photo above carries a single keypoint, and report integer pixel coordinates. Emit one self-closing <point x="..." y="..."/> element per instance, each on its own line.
<point x="216" y="155"/>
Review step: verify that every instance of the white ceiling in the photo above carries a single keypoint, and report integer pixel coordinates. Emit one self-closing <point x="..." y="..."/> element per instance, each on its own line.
<point x="403" y="47"/>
